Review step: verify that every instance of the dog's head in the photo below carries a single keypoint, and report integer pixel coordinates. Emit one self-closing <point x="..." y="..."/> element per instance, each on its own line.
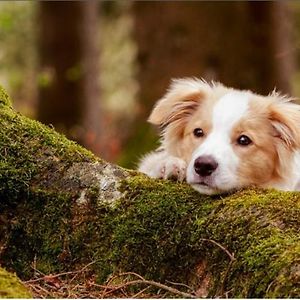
<point x="229" y="138"/>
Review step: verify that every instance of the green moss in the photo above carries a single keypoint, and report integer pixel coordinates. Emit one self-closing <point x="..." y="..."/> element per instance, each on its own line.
<point x="56" y="208"/>
<point x="158" y="230"/>
<point x="4" y="98"/>
<point x="158" y="222"/>
<point x="43" y="234"/>
<point x="46" y="154"/>
<point x="259" y="227"/>
<point x="169" y="224"/>
<point x="33" y="160"/>
<point x="11" y="287"/>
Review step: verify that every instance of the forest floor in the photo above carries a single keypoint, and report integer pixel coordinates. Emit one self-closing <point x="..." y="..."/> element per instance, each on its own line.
<point x="82" y="284"/>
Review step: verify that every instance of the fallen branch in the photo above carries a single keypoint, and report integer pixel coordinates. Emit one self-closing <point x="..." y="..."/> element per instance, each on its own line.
<point x="61" y="207"/>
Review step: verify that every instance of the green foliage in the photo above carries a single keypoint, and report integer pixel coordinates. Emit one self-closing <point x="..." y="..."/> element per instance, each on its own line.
<point x="117" y="60"/>
<point x="18" y="55"/>
<point x="45" y="78"/>
<point x="144" y="140"/>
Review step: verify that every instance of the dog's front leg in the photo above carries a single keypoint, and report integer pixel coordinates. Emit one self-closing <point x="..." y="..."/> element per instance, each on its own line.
<point x="159" y="164"/>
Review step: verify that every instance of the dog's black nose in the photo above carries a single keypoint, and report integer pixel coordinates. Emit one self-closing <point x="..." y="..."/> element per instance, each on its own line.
<point x="205" y="165"/>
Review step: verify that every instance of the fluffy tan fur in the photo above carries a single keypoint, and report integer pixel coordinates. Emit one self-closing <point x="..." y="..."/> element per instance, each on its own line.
<point x="186" y="102"/>
<point x="272" y="123"/>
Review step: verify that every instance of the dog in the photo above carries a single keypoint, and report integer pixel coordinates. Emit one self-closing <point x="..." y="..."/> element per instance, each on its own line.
<point x="221" y="139"/>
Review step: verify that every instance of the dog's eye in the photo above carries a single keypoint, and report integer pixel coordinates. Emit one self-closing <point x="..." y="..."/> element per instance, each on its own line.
<point x="244" y="140"/>
<point x="198" y="132"/>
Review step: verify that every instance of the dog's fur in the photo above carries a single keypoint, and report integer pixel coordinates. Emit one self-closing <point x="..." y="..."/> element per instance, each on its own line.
<point x="272" y="123"/>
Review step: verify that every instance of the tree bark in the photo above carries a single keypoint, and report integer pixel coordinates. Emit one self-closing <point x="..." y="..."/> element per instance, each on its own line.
<point x="62" y="208"/>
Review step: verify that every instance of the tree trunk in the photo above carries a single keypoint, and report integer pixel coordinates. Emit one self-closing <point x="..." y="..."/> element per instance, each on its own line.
<point x="62" y="208"/>
<point x="244" y="45"/>
<point x="69" y="80"/>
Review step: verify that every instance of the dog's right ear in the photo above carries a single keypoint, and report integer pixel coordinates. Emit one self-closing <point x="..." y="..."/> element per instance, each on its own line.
<point x="181" y="100"/>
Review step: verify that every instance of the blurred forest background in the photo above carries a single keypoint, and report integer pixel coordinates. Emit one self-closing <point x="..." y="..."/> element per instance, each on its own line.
<point x="94" y="69"/>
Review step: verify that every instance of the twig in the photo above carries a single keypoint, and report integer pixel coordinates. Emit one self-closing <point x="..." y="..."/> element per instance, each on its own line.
<point x="227" y="294"/>
<point x="35" y="270"/>
<point x="269" y="286"/>
<point x="102" y="286"/>
<point x="38" y="291"/>
<point x="153" y="283"/>
<point x="142" y="280"/>
<point x="59" y="275"/>
<point x="34" y="267"/>
<point x="107" y="286"/>
<point x="180" y="284"/>
<point x="222" y="289"/>
<point x="231" y="256"/>
<point x="67" y="289"/>
<point x="129" y="273"/>
<point x="232" y="259"/>
<point x="83" y="269"/>
<point x="141" y="292"/>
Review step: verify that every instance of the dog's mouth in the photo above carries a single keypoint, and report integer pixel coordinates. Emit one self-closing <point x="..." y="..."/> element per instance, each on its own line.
<point x="202" y="183"/>
<point x="205" y="187"/>
<point x="209" y="188"/>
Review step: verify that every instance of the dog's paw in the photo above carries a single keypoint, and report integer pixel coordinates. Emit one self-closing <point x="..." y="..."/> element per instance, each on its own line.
<point x="160" y="165"/>
<point x="173" y="168"/>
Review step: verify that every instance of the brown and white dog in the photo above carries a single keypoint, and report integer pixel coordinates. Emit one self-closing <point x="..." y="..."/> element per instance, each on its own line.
<point x="221" y="139"/>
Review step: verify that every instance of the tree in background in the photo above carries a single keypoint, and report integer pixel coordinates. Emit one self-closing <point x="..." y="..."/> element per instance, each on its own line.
<point x="118" y="80"/>
<point x="242" y="44"/>
<point x="18" y="54"/>
<point x="69" y="77"/>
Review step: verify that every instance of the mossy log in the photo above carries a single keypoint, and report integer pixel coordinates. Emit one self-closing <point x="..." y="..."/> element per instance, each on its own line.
<point x="11" y="287"/>
<point x="63" y="208"/>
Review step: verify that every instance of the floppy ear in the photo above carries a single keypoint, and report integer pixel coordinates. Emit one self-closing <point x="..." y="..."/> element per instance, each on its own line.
<point x="285" y="119"/>
<point x="181" y="100"/>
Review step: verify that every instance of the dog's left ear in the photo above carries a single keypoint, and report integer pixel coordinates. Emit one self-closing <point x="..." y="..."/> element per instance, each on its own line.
<point x="181" y="100"/>
<point x="285" y="119"/>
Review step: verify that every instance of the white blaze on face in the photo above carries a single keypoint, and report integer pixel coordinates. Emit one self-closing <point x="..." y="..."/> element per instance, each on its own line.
<point x="227" y="112"/>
